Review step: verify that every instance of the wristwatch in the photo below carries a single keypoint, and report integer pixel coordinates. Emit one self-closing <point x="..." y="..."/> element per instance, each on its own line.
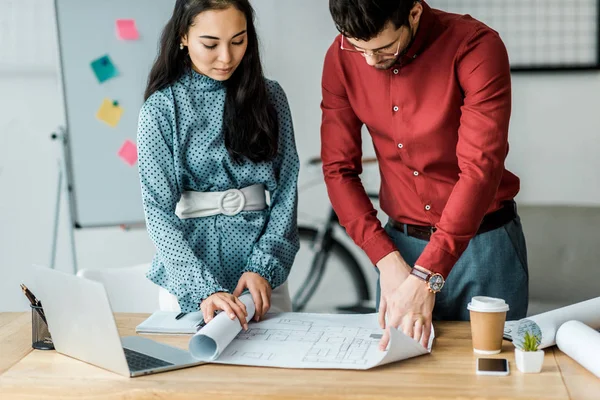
<point x="435" y="282"/>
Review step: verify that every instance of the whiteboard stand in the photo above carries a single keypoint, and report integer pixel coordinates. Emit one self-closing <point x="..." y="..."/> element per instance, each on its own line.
<point x="61" y="137"/>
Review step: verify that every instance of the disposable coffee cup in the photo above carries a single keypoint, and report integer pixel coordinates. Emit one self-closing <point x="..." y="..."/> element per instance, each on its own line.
<point x="488" y="315"/>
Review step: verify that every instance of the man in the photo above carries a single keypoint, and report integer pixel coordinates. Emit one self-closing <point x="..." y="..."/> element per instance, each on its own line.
<point x="434" y="91"/>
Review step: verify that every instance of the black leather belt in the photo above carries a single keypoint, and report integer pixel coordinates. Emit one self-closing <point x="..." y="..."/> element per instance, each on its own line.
<point x="491" y="221"/>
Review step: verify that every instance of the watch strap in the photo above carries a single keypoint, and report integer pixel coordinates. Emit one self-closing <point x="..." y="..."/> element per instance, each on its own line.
<point x="420" y="274"/>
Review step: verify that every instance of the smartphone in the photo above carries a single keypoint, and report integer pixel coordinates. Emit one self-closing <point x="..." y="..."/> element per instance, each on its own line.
<point x="492" y="366"/>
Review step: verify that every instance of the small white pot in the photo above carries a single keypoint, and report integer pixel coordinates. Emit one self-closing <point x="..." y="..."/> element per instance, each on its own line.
<point x="529" y="361"/>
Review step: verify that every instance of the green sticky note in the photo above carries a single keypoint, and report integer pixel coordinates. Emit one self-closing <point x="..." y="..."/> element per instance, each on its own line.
<point x="104" y="68"/>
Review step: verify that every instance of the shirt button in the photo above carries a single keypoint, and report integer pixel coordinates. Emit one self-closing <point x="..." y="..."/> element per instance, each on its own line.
<point x="400" y="145"/>
<point x="396" y="108"/>
<point x="415" y="56"/>
<point x="416" y="173"/>
<point x="396" y="72"/>
<point x="427" y="207"/>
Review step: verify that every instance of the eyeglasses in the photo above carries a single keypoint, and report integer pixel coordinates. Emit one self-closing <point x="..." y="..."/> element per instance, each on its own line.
<point x="365" y="53"/>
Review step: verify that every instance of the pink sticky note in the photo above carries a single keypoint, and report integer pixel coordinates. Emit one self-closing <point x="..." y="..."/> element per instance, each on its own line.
<point x="128" y="152"/>
<point x="126" y="29"/>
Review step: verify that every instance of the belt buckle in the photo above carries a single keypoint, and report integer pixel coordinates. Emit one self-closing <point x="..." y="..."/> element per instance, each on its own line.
<point x="428" y="232"/>
<point x="423" y="232"/>
<point x="238" y="195"/>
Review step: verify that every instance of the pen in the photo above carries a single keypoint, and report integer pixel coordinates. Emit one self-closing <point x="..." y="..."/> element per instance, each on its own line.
<point x="32" y="299"/>
<point x="34" y="302"/>
<point x="180" y="315"/>
<point x="202" y="323"/>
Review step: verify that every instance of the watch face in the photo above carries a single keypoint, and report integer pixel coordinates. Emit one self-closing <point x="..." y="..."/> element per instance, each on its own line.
<point x="436" y="282"/>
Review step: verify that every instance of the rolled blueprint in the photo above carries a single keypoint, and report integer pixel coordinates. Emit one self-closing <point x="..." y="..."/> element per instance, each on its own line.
<point x="546" y="324"/>
<point x="581" y="343"/>
<point x="208" y="343"/>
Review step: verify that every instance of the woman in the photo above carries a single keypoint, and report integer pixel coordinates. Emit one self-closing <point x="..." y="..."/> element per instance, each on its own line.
<point x="213" y="135"/>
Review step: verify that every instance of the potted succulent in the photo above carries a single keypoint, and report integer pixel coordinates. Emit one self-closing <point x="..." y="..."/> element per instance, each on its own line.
<point x="528" y="357"/>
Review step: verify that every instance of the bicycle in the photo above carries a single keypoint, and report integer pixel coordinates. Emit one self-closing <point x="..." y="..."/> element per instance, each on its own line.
<point x="329" y="253"/>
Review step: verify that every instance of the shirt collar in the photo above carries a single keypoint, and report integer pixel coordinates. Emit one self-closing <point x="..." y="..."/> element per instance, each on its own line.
<point x="427" y="25"/>
<point x="203" y="82"/>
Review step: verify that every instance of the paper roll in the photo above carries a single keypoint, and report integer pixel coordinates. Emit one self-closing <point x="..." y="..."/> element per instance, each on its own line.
<point x="547" y="324"/>
<point x="581" y="343"/>
<point x="208" y="343"/>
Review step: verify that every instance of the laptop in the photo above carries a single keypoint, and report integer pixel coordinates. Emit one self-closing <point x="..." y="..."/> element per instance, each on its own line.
<point x="82" y="326"/>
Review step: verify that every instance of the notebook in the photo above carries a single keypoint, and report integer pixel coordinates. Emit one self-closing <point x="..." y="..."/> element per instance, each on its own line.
<point x="164" y="322"/>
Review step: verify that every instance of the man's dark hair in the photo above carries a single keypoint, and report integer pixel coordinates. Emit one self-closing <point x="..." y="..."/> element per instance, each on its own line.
<point x="365" y="19"/>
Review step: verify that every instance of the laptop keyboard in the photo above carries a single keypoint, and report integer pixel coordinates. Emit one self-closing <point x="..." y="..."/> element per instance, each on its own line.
<point x="139" y="361"/>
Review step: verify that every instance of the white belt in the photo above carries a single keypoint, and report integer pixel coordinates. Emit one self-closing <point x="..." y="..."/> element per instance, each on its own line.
<point x="230" y="202"/>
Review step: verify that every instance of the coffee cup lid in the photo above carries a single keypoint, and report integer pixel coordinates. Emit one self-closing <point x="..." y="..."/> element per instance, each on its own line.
<point x="487" y="304"/>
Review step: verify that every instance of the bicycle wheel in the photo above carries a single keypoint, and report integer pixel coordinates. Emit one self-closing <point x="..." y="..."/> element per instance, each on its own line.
<point x="342" y="285"/>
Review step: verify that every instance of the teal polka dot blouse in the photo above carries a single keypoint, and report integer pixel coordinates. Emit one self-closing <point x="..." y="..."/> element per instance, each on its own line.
<point x="181" y="148"/>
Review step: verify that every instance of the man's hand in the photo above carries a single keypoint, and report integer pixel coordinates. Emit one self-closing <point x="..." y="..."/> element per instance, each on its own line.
<point x="226" y="302"/>
<point x="260" y="290"/>
<point x="393" y="270"/>
<point x="410" y="308"/>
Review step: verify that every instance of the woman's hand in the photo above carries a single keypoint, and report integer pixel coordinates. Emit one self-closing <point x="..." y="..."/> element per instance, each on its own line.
<point x="260" y="290"/>
<point x="229" y="303"/>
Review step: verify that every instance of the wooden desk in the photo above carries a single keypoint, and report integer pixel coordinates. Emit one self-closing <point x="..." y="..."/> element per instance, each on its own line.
<point x="448" y="373"/>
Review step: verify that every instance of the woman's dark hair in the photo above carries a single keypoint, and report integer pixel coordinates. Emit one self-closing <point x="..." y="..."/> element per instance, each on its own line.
<point x="365" y="19"/>
<point x="250" y="123"/>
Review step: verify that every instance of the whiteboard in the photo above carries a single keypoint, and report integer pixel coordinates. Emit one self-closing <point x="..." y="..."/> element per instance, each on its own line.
<point x="104" y="190"/>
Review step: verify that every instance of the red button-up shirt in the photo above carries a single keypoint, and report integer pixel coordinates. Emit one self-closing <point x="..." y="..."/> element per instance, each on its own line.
<point x="439" y="123"/>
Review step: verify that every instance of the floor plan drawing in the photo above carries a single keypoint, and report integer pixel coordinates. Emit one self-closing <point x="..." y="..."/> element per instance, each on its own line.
<point x="329" y="344"/>
<point x="251" y="355"/>
<point x="302" y="340"/>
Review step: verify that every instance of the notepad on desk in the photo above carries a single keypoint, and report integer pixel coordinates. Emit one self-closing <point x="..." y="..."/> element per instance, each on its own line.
<point x="164" y="322"/>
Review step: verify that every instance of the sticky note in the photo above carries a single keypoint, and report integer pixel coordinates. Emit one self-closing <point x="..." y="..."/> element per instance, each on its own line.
<point x="126" y="29"/>
<point x="104" y="68"/>
<point x="128" y="152"/>
<point x="110" y="112"/>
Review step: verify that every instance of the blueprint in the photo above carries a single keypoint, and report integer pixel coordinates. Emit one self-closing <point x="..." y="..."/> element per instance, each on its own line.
<point x="301" y="340"/>
<point x="546" y="324"/>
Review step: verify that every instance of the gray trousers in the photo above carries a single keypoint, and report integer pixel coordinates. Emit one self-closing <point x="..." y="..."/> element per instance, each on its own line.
<point x="494" y="264"/>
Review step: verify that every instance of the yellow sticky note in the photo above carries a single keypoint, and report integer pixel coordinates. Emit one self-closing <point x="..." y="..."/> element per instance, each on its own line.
<point x="110" y="112"/>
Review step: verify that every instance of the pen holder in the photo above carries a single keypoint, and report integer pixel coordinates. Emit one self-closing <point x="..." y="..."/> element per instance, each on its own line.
<point x="40" y="335"/>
